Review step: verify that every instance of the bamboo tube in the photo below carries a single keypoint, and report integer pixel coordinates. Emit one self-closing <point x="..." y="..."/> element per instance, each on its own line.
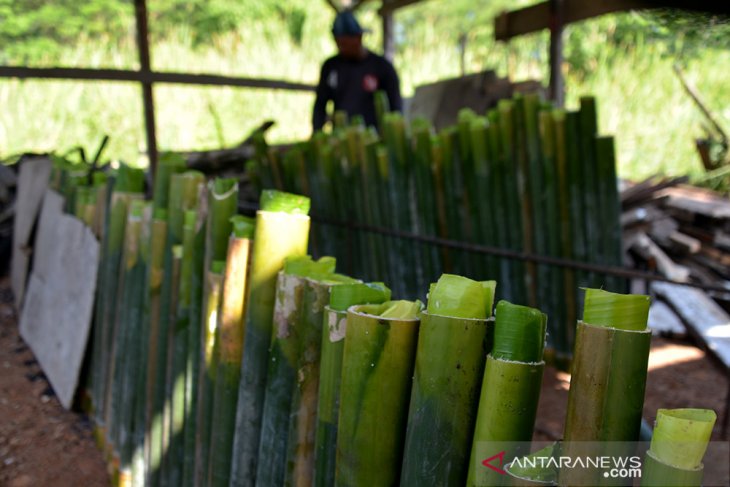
<point x="610" y="209"/>
<point x="281" y="379"/>
<point x="510" y="390"/>
<point x="153" y="416"/>
<point x="590" y="183"/>
<point x="230" y="350"/>
<point x="530" y="470"/>
<point x="330" y="375"/>
<point x="128" y="325"/>
<point x="211" y="305"/>
<point x="677" y="447"/>
<point x="184" y="191"/>
<point x="282" y="228"/>
<point x="377" y="366"/>
<point x="453" y="340"/>
<point x="222" y="204"/>
<point x="484" y="227"/>
<point x="167" y="165"/>
<point x="303" y="419"/>
<point x="608" y="376"/>
<point x="194" y="254"/>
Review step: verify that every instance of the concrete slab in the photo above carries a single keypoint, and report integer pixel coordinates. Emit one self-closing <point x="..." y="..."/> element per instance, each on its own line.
<point x="33" y="176"/>
<point x="56" y="316"/>
<point x="45" y="247"/>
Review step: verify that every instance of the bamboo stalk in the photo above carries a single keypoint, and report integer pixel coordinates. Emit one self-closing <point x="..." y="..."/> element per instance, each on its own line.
<point x="230" y="350"/>
<point x="222" y="204"/>
<point x="377" y="367"/>
<point x="194" y="252"/>
<point x="677" y="447"/>
<point x="453" y="341"/>
<point x="330" y="376"/>
<point x="510" y="390"/>
<point x="185" y="189"/>
<point x="523" y="474"/>
<point x="153" y="417"/>
<point x="608" y="376"/>
<point x="211" y="305"/>
<point x="281" y="379"/>
<point x="282" y="228"/>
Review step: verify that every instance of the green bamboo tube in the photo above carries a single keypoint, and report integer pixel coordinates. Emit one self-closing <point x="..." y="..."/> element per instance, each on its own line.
<point x="510" y="390"/>
<point x="167" y="165"/>
<point x="102" y="183"/>
<point x="230" y="350"/>
<point x="677" y="447"/>
<point x="453" y="340"/>
<point x="529" y="470"/>
<point x="608" y="376"/>
<point x="282" y="228"/>
<point x="128" y="333"/>
<point x="590" y="184"/>
<point x="574" y="186"/>
<point x="281" y="380"/>
<point x="334" y="325"/>
<point x="610" y="209"/>
<point x="139" y="365"/>
<point x="153" y="416"/>
<point x="382" y="107"/>
<point x="212" y="301"/>
<point x="377" y="367"/>
<point x="184" y="191"/>
<point x="301" y="449"/>
<point x="484" y="226"/>
<point x="114" y="292"/>
<point x="194" y="250"/>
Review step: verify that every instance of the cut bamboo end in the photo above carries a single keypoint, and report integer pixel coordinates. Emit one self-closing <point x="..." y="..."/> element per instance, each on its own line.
<point x="613" y="310"/>
<point x="346" y="295"/>
<point x="243" y="226"/>
<point x="519" y="333"/>
<point x="400" y="310"/>
<point x="681" y="436"/>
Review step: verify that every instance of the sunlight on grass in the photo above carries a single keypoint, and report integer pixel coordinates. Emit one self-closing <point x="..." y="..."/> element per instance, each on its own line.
<point x="640" y="100"/>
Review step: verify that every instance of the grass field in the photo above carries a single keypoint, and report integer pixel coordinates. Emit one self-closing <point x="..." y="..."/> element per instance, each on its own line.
<point x="640" y="99"/>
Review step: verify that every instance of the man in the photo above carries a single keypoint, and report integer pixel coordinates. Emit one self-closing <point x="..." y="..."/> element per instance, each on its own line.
<point x="351" y="77"/>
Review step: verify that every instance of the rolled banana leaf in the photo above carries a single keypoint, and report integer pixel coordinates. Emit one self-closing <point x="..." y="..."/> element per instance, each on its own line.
<point x="608" y="377"/>
<point x="281" y="380"/>
<point x="677" y="447"/>
<point x="453" y="342"/>
<point x="334" y="325"/>
<point x="510" y="391"/>
<point x="230" y="350"/>
<point x="377" y="371"/>
<point x="282" y="230"/>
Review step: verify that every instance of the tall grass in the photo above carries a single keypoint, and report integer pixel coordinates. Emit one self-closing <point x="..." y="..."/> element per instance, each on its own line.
<point x="640" y="99"/>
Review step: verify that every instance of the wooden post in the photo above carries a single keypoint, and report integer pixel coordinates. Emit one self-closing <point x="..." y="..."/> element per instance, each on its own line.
<point x="557" y="86"/>
<point x="388" y="41"/>
<point x="140" y="10"/>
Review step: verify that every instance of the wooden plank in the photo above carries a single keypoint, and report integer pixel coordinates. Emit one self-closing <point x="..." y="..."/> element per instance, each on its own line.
<point x="704" y="318"/>
<point x="651" y="252"/>
<point x="697" y="201"/>
<point x="89" y="74"/>
<point x="537" y="17"/>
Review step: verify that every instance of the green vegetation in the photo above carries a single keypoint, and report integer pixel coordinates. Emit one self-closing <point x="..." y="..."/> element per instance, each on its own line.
<point x="624" y="60"/>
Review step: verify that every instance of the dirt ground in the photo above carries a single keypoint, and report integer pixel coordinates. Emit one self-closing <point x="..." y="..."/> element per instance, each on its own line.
<point x="41" y="444"/>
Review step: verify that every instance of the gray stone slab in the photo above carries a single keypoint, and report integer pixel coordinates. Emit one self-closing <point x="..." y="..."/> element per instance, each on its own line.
<point x="45" y="248"/>
<point x="33" y="175"/>
<point x="56" y="316"/>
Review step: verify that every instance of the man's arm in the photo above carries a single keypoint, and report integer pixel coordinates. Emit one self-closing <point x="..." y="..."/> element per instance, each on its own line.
<point x="391" y="86"/>
<point x="324" y="94"/>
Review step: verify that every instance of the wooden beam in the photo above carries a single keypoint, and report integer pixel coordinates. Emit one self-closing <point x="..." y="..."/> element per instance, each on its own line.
<point x="393" y="5"/>
<point x="122" y="75"/>
<point x="537" y="17"/>
<point x="388" y="37"/>
<point x="143" y="46"/>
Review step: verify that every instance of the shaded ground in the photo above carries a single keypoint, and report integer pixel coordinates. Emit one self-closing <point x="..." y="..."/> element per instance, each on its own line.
<point x="41" y="444"/>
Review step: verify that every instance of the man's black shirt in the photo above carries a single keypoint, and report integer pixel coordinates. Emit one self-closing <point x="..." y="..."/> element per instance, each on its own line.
<point x="351" y="83"/>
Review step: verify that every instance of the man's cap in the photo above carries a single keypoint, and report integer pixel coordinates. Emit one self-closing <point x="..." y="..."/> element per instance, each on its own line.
<point x="346" y="25"/>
